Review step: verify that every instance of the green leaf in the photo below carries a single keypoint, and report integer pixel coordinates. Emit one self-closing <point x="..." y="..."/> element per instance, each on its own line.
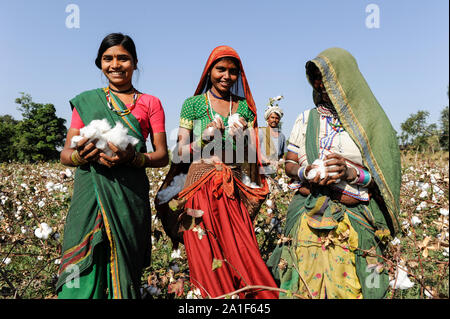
<point x="217" y="263"/>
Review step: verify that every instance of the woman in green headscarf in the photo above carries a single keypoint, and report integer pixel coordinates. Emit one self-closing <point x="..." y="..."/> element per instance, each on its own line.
<point x="344" y="157"/>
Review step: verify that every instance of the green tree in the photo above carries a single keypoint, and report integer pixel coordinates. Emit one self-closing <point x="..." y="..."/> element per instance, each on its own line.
<point x="417" y="134"/>
<point x="444" y="128"/>
<point x="7" y="132"/>
<point x="40" y="133"/>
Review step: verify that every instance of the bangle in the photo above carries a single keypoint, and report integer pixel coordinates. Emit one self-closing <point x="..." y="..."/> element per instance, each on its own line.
<point x="291" y="161"/>
<point x="138" y="160"/>
<point x="301" y="173"/>
<point x="367" y="179"/>
<point x="76" y="159"/>
<point x="358" y="174"/>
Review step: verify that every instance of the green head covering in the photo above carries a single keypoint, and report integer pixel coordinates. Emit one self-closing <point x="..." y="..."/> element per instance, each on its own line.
<point x="364" y="119"/>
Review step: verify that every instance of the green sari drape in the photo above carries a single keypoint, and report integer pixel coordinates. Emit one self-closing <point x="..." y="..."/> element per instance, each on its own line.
<point x="365" y="121"/>
<point x="109" y="205"/>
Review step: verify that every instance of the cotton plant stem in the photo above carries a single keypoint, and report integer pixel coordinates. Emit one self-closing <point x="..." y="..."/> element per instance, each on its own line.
<point x="8" y="282"/>
<point x="242" y="277"/>
<point x="419" y="254"/>
<point x="35" y="275"/>
<point x="201" y="286"/>
<point x="397" y="266"/>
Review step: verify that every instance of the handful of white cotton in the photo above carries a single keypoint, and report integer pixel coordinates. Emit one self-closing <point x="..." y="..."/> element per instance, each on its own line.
<point x="234" y="120"/>
<point x="248" y="182"/>
<point x="319" y="167"/>
<point x="101" y="131"/>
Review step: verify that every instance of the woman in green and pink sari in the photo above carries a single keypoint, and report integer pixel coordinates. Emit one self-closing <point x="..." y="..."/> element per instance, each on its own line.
<point x="107" y="236"/>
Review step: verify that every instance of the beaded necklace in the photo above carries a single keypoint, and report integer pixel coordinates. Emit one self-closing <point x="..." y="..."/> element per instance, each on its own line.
<point x="120" y="112"/>
<point x="208" y="104"/>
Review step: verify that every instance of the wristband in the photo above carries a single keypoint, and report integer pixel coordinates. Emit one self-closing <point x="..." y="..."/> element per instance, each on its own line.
<point x="76" y="159"/>
<point x="367" y="179"/>
<point x="138" y="160"/>
<point x="358" y="174"/>
<point x="301" y="173"/>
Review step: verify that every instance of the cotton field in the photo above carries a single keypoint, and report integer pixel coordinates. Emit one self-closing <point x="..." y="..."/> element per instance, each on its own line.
<point x="34" y="200"/>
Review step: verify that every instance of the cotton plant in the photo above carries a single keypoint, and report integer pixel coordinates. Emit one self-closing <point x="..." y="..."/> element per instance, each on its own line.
<point x="401" y="279"/>
<point x="273" y="100"/>
<point x="101" y="131"/>
<point x="415" y="220"/>
<point x="43" y="231"/>
<point x="176" y="253"/>
<point x="6" y="261"/>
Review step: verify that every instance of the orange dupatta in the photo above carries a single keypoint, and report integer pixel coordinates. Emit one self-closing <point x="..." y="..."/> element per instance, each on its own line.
<point x="222" y="52"/>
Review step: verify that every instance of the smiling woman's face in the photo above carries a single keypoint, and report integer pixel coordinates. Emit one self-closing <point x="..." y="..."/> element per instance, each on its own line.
<point x="223" y="75"/>
<point x="118" y="66"/>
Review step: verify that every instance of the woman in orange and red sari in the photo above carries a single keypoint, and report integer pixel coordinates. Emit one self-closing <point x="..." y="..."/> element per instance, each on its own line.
<point x="223" y="188"/>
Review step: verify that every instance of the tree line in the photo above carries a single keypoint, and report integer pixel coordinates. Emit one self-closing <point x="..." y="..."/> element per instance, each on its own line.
<point x="420" y="136"/>
<point x="40" y="135"/>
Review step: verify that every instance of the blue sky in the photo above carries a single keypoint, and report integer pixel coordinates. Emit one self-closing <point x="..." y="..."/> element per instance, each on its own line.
<point x="405" y="60"/>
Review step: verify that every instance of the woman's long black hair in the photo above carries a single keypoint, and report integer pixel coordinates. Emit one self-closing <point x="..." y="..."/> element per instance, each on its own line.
<point x="114" y="39"/>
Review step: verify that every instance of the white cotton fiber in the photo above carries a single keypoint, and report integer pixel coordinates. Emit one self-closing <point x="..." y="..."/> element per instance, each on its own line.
<point x="101" y="131"/>
<point x="234" y="119"/>
<point x="119" y="137"/>
<point x="75" y="140"/>
<point x="173" y="189"/>
<point x="102" y="144"/>
<point x="248" y="182"/>
<point x="319" y="168"/>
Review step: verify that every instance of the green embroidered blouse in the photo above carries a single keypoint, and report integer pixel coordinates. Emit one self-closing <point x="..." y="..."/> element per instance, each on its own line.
<point x="195" y="114"/>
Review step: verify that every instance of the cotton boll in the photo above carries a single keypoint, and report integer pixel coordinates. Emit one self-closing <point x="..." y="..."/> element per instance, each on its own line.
<point x="248" y="182"/>
<point x="68" y="172"/>
<point x="423" y="194"/>
<point x="443" y="211"/>
<point x="415" y="221"/>
<point x="6" y="261"/>
<point x="402" y="280"/>
<point x="319" y="168"/>
<point x="176" y="254"/>
<point x="246" y="179"/>
<point x="43" y="231"/>
<point x="234" y="120"/>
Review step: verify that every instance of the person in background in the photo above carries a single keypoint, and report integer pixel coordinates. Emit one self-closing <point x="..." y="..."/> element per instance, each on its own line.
<point x="272" y="140"/>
